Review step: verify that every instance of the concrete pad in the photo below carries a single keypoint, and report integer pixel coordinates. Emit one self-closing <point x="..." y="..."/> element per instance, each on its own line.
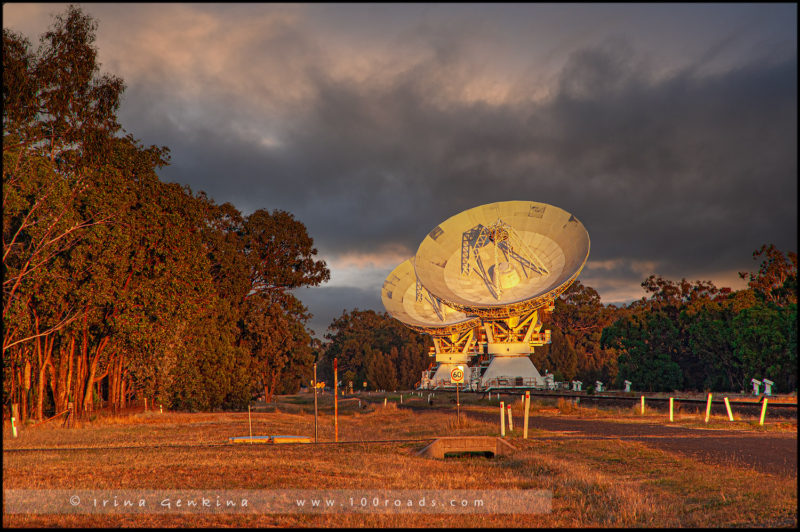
<point x="467" y="444"/>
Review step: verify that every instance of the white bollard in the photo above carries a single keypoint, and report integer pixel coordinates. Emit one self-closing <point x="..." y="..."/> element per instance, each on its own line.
<point x="728" y="407"/>
<point x="643" y="405"/>
<point x="527" y="411"/>
<point x="763" y="411"/>
<point x="510" y="420"/>
<point x="502" y="420"/>
<point x="708" y="408"/>
<point x="13" y="428"/>
<point x="671" y="402"/>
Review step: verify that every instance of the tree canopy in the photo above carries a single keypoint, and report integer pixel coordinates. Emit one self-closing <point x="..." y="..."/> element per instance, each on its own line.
<point x="117" y="285"/>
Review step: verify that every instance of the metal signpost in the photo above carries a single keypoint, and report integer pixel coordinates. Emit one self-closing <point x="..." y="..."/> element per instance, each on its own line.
<point x="457" y="377"/>
<point x="315" y="402"/>
<point x="335" y="401"/>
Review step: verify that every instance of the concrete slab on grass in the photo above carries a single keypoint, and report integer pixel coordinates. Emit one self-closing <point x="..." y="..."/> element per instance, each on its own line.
<point x="467" y="444"/>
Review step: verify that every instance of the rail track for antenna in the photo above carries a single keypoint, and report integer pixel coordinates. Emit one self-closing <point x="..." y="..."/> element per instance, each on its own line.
<point x="774" y="408"/>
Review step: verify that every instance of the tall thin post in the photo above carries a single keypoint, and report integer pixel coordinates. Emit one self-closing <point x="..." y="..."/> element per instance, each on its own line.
<point x="315" y="402"/>
<point x="728" y="408"/>
<point x="763" y="411"/>
<point x="458" y="405"/>
<point x="708" y="408"/>
<point x="502" y="419"/>
<point x="643" y="405"/>
<point x="250" y="423"/>
<point x="335" y="401"/>
<point x="671" y="402"/>
<point x="527" y="410"/>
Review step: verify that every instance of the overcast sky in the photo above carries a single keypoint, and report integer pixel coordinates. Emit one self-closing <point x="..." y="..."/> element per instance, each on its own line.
<point x="669" y="131"/>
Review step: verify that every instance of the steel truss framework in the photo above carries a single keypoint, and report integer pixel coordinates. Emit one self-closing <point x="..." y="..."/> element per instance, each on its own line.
<point x="509" y="245"/>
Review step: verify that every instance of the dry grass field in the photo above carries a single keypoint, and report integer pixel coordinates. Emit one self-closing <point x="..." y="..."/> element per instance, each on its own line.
<point x="606" y="482"/>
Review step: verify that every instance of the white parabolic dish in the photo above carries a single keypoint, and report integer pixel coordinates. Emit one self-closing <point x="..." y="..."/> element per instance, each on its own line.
<point x="553" y="237"/>
<point x="399" y="297"/>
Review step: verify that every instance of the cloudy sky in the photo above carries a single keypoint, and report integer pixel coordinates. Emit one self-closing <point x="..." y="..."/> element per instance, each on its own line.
<point x="670" y="131"/>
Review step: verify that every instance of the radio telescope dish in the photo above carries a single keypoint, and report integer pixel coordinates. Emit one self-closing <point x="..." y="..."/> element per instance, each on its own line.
<point x="502" y="259"/>
<point x="409" y="302"/>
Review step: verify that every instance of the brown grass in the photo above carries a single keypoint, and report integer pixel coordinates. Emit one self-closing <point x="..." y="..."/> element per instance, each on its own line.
<point x="594" y="482"/>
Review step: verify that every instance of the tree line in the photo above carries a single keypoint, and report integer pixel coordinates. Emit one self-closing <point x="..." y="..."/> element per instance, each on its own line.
<point x="681" y="336"/>
<point x="115" y="284"/>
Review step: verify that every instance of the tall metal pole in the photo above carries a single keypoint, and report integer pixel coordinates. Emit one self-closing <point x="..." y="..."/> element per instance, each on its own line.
<point x="458" y="405"/>
<point x="335" y="401"/>
<point x="315" y="402"/>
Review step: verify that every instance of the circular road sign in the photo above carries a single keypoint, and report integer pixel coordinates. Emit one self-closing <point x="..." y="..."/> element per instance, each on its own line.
<point x="457" y="375"/>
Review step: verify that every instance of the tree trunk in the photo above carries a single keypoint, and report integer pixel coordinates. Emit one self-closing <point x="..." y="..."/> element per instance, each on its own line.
<point x="13" y="371"/>
<point x="87" y="398"/>
<point x="80" y="369"/>
<point x="123" y="401"/>
<point x="39" y="370"/>
<point x="68" y="382"/>
<point x="274" y="385"/>
<point x="26" y="384"/>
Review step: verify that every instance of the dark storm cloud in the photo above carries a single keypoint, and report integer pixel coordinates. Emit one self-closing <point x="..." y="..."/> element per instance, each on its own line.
<point x="693" y="172"/>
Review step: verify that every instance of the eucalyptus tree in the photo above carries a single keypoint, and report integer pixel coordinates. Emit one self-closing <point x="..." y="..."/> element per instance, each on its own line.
<point x="58" y="117"/>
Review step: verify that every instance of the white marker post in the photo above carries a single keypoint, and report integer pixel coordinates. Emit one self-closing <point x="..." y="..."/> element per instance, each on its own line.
<point x="763" y="412"/>
<point x="510" y="420"/>
<point x="527" y="410"/>
<point x="728" y="407"/>
<point x="708" y="408"/>
<point x="502" y="420"/>
<point x="671" y="402"/>
<point x="14" y="417"/>
<point x="250" y="423"/>
<point x="643" y="405"/>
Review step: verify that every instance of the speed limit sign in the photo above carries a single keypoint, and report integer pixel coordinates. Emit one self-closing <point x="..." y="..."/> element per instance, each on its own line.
<point x="457" y="375"/>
